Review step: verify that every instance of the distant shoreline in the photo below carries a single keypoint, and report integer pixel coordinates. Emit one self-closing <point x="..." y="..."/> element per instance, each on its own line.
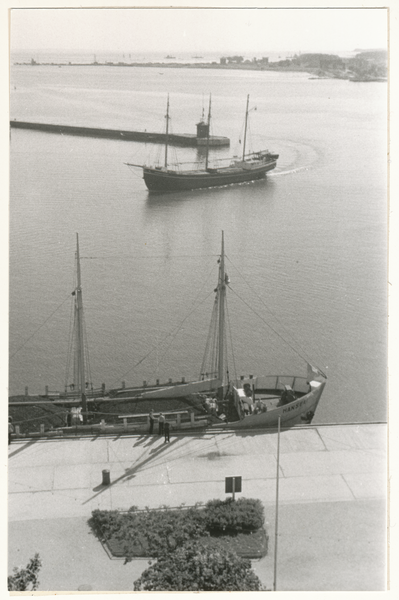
<point x="367" y="66"/>
<point x="161" y="65"/>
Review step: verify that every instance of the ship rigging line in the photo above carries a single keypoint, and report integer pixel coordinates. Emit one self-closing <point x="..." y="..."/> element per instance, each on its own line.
<point x="178" y="329"/>
<point x="40" y="326"/>
<point x="210" y="358"/>
<point x="70" y="342"/>
<point x="132" y="256"/>
<point x="174" y="332"/>
<point x="268" y="325"/>
<point x="303" y="355"/>
<point x="209" y="353"/>
<point x="231" y="341"/>
<point x="87" y="356"/>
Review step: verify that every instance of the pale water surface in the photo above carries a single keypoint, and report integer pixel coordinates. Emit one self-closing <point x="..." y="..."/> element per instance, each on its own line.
<point x="310" y="241"/>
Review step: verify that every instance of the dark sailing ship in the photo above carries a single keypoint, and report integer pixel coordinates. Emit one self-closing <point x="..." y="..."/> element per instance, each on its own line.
<point x="249" y="167"/>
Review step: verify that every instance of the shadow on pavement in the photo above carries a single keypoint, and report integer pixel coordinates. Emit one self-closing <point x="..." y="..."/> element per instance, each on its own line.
<point x="22" y="448"/>
<point x="130" y="473"/>
<point x="140" y="441"/>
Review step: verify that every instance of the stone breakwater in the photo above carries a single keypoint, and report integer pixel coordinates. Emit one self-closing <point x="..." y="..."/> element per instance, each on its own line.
<point x="182" y="139"/>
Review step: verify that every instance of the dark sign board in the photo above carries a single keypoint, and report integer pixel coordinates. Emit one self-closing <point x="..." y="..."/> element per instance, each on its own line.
<point x="229" y="484"/>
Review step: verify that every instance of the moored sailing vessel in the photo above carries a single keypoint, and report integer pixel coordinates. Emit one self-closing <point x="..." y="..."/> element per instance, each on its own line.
<point x="249" y="167"/>
<point x="214" y="400"/>
<point x="249" y="401"/>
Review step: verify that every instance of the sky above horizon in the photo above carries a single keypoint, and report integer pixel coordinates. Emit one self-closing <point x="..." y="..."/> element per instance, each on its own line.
<point x="211" y="30"/>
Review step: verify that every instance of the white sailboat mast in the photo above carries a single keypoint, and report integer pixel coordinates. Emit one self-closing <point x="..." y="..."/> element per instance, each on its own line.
<point x="167" y="133"/>
<point x="208" y="134"/>
<point x="245" y="131"/>
<point x="222" y="299"/>
<point x="80" y="341"/>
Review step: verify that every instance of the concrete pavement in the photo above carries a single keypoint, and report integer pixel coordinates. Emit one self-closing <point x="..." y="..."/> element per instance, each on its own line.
<point x="331" y="511"/>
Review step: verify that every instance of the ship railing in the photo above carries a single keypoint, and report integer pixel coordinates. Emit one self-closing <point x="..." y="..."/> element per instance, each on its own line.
<point x="140" y="421"/>
<point x="74" y="394"/>
<point x="276" y="382"/>
<point x="145" y="417"/>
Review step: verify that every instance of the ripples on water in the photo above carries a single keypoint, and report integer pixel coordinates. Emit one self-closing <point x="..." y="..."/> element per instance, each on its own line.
<point x="310" y="240"/>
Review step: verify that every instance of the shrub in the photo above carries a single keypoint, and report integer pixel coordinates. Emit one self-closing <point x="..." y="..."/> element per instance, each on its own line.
<point x="154" y="530"/>
<point x="22" y="578"/>
<point x="105" y="523"/>
<point x="244" y="514"/>
<point x="163" y="531"/>
<point x="194" y="567"/>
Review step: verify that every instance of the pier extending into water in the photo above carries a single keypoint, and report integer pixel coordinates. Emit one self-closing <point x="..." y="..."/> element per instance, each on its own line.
<point x="174" y="139"/>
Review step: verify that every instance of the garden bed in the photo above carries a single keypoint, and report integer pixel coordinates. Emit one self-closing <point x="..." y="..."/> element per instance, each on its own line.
<point x="236" y="526"/>
<point x="247" y="545"/>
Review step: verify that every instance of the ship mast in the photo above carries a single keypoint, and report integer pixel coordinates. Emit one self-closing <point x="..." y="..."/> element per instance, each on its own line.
<point x="80" y="359"/>
<point x="207" y="137"/>
<point x="245" y="131"/>
<point x="222" y="300"/>
<point x="167" y="133"/>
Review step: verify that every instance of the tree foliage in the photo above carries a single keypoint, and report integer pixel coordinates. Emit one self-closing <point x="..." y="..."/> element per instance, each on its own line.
<point x="21" y="579"/>
<point x="195" y="567"/>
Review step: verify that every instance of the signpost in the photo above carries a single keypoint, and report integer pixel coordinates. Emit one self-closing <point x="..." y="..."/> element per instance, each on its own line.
<point x="233" y="485"/>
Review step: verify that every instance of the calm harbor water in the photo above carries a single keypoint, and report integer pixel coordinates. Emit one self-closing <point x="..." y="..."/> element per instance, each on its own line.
<point x="309" y="241"/>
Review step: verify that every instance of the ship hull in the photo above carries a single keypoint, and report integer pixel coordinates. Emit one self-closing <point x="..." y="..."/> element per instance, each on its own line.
<point x="299" y="411"/>
<point x="158" y="180"/>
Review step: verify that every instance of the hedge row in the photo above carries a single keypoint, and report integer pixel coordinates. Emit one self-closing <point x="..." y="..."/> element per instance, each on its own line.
<point x="245" y="514"/>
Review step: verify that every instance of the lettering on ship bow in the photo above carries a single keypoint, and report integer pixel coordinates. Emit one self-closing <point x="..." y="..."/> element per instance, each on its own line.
<point x="294" y="406"/>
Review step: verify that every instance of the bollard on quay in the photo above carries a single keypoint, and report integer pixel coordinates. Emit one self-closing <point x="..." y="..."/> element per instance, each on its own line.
<point x="106" y="477"/>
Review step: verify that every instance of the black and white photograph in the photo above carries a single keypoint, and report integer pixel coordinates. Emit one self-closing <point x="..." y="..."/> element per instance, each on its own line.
<point x="198" y="236"/>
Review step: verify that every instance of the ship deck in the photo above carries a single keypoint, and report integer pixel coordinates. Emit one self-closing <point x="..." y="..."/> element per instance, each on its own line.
<point x="225" y="170"/>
